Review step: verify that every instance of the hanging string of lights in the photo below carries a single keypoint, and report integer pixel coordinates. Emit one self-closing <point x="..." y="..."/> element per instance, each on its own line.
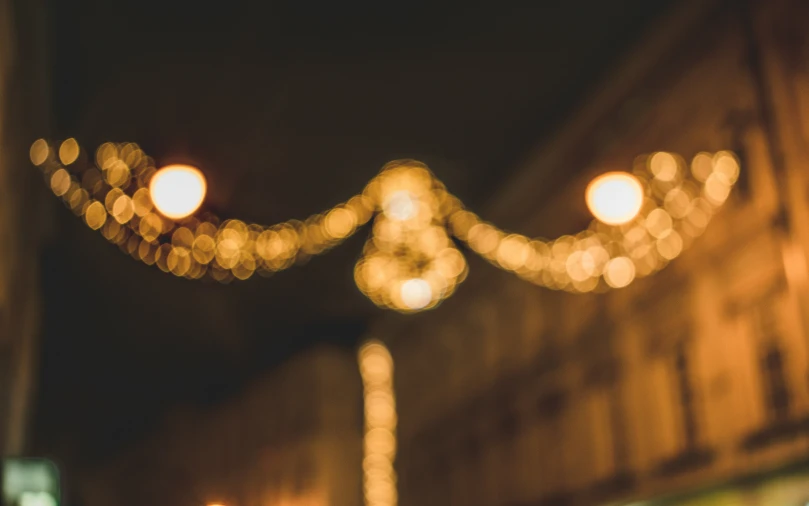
<point x="643" y="220"/>
<point x="379" y="441"/>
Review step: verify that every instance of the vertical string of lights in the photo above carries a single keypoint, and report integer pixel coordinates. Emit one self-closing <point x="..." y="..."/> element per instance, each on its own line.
<point x="379" y="442"/>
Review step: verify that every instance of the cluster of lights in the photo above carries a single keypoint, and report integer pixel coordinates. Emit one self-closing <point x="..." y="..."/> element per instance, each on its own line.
<point x="379" y="442"/>
<point x="643" y="221"/>
<point x="410" y="262"/>
<point x="152" y="215"/>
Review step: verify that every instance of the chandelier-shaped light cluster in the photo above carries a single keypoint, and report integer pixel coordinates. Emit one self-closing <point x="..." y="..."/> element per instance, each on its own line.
<point x="410" y="262"/>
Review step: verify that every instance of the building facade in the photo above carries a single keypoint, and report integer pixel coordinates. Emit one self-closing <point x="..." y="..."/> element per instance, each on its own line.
<point x="23" y="107"/>
<point x="292" y="438"/>
<point x="514" y="395"/>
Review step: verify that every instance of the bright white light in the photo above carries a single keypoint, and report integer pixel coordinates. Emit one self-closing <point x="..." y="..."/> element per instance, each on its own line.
<point x="177" y="190"/>
<point x="614" y="198"/>
<point x="401" y="206"/>
<point x="37" y="499"/>
<point x="416" y="293"/>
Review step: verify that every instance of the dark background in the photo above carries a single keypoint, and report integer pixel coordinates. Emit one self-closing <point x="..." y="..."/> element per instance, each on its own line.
<point x="288" y="107"/>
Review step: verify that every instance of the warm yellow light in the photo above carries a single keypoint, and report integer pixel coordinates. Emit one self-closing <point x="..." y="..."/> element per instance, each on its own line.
<point x="95" y="215"/>
<point x="416" y="293"/>
<point x="401" y="206"/>
<point x="379" y="443"/>
<point x="39" y="151"/>
<point x="619" y="272"/>
<point x="663" y="166"/>
<point x="614" y="198"/>
<point x="69" y="151"/>
<point x="60" y="182"/>
<point x="177" y="190"/>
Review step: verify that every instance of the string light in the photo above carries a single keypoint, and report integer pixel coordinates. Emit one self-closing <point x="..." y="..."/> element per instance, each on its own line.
<point x="674" y="210"/>
<point x="416" y="293"/>
<point x="410" y="262"/>
<point x="177" y="190"/>
<point x="379" y="443"/>
<point x="615" y="198"/>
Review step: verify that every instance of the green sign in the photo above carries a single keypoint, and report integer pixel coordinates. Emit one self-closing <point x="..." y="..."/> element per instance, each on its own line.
<point x="30" y="482"/>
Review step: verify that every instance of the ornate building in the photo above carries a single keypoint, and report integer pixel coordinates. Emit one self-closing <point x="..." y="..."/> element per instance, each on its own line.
<point x="513" y="395"/>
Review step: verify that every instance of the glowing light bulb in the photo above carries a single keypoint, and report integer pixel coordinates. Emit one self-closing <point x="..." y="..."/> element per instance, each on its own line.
<point x="619" y="272"/>
<point x="614" y="198"/>
<point x="401" y="206"/>
<point x="177" y="190"/>
<point x="416" y="293"/>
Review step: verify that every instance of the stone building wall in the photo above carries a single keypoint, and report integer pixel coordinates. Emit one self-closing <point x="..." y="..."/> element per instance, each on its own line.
<point x="511" y="394"/>
<point x="23" y="214"/>
<point x="292" y="439"/>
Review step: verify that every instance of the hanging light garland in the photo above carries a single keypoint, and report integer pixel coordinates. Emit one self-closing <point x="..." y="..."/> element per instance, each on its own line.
<point x="379" y="440"/>
<point x="644" y="219"/>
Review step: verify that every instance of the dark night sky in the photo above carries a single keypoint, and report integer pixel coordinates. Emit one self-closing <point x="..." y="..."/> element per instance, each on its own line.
<point x="289" y="107"/>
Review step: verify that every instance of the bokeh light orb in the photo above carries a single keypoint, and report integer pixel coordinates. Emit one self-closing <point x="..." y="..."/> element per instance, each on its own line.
<point x="401" y="206"/>
<point x="416" y="293"/>
<point x="619" y="272"/>
<point x="177" y="190"/>
<point x="614" y="198"/>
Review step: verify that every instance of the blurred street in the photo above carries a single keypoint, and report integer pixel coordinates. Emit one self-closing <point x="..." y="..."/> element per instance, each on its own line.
<point x="424" y="253"/>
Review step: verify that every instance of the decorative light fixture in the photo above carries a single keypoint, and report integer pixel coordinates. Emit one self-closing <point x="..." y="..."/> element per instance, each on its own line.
<point x="615" y="198"/>
<point x="379" y="445"/>
<point x="644" y="219"/>
<point x="177" y="191"/>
